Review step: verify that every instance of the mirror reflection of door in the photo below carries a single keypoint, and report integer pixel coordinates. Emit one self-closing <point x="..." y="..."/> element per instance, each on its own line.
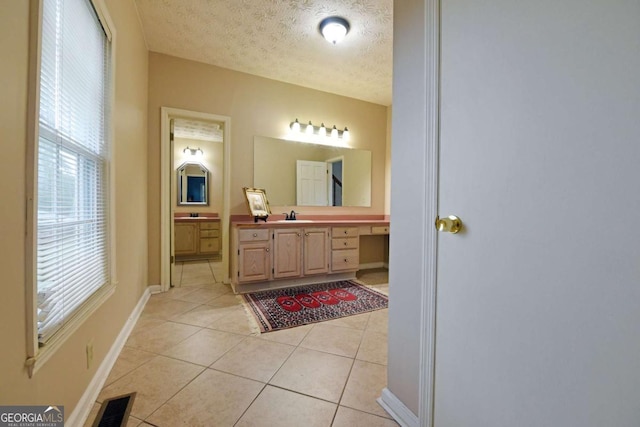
<point x="311" y="179"/>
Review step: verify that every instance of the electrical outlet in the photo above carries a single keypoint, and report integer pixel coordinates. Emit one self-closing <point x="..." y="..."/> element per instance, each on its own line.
<point x="89" y="354"/>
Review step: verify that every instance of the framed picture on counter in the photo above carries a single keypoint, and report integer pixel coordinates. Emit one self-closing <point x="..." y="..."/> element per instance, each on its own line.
<point x="257" y="203"/>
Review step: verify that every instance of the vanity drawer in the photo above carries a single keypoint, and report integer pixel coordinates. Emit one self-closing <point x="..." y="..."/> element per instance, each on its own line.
<point x="209" y="233"/>
<point x="379" y="229"/>
<point x="345" y="260"/>
<point x="252" y="235"/>
<point x="209" y="246"/>
<point x="344" y="243"/>
<point x="210" y="225"/>
<point x="344" y="231"/>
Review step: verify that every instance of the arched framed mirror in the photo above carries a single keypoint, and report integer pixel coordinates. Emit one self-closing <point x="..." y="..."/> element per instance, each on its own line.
<point x="193" y="184"/>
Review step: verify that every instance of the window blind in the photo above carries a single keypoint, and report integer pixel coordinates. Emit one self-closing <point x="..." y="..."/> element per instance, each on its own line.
<point x="72" y="204"/>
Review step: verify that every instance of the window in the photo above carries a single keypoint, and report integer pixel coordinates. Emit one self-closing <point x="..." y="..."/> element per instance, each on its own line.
<point x="71" y="249"/>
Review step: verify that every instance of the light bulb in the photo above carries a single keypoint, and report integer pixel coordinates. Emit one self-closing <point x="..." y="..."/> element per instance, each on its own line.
<point x="309" y="128"/>
<point x="334" y="28"/>
<point x="334" y="132"/>
<point x="295" y="126"/>
<point x="323" y="130"/>
<point x="334" y="33"/>
<point x="345" y="133"/>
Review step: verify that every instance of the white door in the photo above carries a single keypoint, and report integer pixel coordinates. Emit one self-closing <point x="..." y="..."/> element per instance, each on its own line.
<point x="538" y="299"/>
<point x="311" y="178"/>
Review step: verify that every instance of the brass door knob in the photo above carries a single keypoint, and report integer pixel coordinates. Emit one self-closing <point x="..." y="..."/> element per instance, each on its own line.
<point x="449" y="224"/>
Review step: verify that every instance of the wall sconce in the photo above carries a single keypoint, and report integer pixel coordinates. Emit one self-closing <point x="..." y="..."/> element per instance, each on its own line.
<point x="321" y="130"/>
<point x="196" y="152"/>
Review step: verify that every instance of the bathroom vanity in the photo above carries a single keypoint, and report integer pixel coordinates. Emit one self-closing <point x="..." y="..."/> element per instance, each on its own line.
<point x="197" y="237"/>
<point x="290" y="253"/>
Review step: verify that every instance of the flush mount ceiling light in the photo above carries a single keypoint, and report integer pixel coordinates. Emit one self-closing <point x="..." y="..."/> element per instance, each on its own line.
<point x="334" y="28"/>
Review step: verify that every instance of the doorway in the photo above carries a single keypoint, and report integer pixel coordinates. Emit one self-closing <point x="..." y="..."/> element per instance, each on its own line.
<point x="336" y="178"/>
<point x="219" y="199"/>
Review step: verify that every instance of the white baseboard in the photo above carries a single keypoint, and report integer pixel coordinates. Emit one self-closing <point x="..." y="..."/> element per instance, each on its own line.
<point x="83" y="408"/>
<point x="397" y="409"/>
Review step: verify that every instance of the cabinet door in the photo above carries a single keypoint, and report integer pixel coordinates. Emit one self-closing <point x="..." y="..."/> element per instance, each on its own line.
<point x="316" y="251"/>
<point x="254" y="261"/>
<point x="185" y="239"/>
<point x="287" y="252"/>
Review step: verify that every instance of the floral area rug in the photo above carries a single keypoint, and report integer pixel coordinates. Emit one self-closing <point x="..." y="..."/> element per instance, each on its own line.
<point x="287" y="308"/>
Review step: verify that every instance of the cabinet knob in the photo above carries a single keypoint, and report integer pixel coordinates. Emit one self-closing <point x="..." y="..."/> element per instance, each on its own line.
<point x="345" y="243"/>
<point x="345" y="232"/>
<point x="298" y="234"/>
<point x="267" y="249"/>
<point x="345" y="260"/>
<point x="306" y="234"/>
<point x="255" y="234"/>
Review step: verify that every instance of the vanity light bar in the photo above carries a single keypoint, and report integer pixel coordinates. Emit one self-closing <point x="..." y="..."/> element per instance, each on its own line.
<point x="321" y="130"/>
<point x="193" y="151"/>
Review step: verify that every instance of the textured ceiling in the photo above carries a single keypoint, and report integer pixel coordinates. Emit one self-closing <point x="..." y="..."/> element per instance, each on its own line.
<point x="279" y="39"/>
<point x="194" y="129"/>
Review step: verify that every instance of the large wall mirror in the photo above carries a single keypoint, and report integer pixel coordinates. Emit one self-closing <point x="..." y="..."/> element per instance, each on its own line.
<point x="193" y="184"/>
<point x="301" y="174"/>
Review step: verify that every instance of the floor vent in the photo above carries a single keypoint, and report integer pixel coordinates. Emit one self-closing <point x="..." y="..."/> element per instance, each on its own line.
<point x="114" y="412"/>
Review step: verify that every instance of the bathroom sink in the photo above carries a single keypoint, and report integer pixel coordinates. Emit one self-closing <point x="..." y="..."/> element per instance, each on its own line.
<point x="294" y="220"/>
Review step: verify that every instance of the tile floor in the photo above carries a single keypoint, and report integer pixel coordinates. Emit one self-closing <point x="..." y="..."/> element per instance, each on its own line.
<point x="193" y="362"/>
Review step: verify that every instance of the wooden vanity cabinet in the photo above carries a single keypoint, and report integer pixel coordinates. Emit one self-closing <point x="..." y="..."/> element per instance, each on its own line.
<point x="186" y="242"/>
<point x="266" y="256"/>
<point x="263" y="254"/>
<point x="197" y="239"/>
<point x="345" y="249"/>
<point x="209" y="238"/>
<point x="300" y="252"/>
<point x="253" y="255"/>
<point x="316" y="251"/>
<point x="287" y="253"/>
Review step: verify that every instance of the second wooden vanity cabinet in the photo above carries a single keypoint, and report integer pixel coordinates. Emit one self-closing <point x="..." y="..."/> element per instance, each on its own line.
<point x="185" y="241"/>
<point x="197" y="238"/>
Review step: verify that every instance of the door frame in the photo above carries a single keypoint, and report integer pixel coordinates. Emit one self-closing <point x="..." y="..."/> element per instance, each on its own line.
<point x="428" y="302"/>
<point x="166" y="201"/>
<point x="426" y="113"/>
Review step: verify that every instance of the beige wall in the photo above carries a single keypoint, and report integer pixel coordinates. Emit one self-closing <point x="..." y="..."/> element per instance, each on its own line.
<point x="64" y="378"/>
<point x="257" y="106"/>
